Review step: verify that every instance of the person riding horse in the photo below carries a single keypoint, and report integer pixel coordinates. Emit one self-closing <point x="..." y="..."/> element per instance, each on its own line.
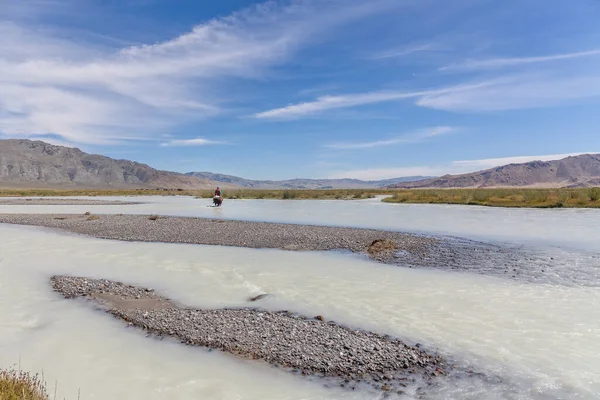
<point x="218" y="198"/>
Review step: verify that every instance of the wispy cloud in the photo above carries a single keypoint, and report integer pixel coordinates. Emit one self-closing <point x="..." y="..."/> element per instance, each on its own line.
<point x="190" y="142"/>
<point x="510" y="92"/>
<point x="516" y="92"/>
<point x="402" y="52"/>
<point x="452" y="168"/>
<point x="325" y="103"/>
<point x="515" y="61"/>
<point x="414" y="137"/>
<point x="97" y="95"/>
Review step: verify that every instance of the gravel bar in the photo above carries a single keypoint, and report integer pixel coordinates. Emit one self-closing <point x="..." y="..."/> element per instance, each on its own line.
<point x="508" y="261"/>
<point x="63" y="202"/>
<point x="308" y="346"/>
<point x="144" y="228"/>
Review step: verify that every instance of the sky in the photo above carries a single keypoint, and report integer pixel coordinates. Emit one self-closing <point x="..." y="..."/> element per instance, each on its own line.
<point x="305" y="88"/>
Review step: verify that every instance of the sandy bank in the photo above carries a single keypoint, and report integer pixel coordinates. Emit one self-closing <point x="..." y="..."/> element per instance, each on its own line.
<point x="62" y="202"/>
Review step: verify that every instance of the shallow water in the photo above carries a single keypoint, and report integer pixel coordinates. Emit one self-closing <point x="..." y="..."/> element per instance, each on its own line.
<point x="571" y="228"/>
<point x="542" y="340"/>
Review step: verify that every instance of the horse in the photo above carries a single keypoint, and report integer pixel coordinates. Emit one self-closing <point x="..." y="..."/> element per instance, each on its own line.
<point x="217" y="201"/>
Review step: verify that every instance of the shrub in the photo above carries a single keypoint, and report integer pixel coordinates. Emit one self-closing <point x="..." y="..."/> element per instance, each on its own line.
<point x="594" y="194"/>
<point x="19" y="385"/>
<point x="289" y="194"/>
<point x="93" y="218"/>
<point x="153" y="217"/>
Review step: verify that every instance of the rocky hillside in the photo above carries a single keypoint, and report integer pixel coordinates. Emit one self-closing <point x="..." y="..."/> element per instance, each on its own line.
<point x="39" y="164"/>
<point x="579" y="171"/>
<point x="302" y="183"/>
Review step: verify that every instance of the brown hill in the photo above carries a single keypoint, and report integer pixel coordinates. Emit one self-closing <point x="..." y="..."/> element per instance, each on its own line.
<point x="578" y="171"/>
<point x="29" y="163"/>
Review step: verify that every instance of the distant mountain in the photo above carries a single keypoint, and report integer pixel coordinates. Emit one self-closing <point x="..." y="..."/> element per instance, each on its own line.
<point x="302" y="183"/>
<point x="29" y="163"/>
<point x="578" y="171"/>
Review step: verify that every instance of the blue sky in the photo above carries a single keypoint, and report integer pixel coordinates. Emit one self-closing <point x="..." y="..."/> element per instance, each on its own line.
<point x="307" y="88"/>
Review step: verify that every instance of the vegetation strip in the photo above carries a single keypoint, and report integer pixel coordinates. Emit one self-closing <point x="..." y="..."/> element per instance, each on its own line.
<point x="309" y="346"/>
<point x="501" y="197"/>
<point x="510" y="197"/>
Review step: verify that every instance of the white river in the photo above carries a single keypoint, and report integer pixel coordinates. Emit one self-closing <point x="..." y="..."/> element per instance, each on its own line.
<point x="542" y="340"/>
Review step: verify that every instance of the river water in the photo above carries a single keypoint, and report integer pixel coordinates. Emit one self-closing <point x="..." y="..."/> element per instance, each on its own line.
<point x="541" y="340"/>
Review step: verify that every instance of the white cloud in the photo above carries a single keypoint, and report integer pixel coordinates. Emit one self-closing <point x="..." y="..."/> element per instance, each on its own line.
<point x="511" y="92"/>
<point x="514" y="61"/>
<point x="406" y="139"/>
<point x="325" y="103"/>
<point x="452" y="168"/>
<point x="190" y="142"/>
<point x="372" y="174"/>
<point x="402" y="52"/>
<point x="96" y="95"/>
<point x="516" y="93"/>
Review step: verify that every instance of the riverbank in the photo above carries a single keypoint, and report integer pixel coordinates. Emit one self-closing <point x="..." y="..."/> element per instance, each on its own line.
<point x="307" y="346"/>
<point x="63" y="202"/>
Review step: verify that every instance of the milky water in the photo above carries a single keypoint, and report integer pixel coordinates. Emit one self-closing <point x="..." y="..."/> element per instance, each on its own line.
<point x="574" y="228"/>
<point x="543" y="341"/>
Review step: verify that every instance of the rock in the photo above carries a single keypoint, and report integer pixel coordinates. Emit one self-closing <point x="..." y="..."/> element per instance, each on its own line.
<point x="257" y="298"/>
<point x="320" y="318"/>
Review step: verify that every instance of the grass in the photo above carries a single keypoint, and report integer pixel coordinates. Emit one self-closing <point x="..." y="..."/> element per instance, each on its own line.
<point x="509" y="197"/>
<point x="242" y="193"/>
<point x="300" y="194"/>
<point x="19" y="385"/>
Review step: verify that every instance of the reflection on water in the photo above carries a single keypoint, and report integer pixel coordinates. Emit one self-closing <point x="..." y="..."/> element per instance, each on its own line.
<point x="543" y="340"/>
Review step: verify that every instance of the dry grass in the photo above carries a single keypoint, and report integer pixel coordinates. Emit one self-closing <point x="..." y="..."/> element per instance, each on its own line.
<point x="511" y="197"/>
<point x="300" y="194"/>
<point x="153" y="217"/>
<point x="289" y="194"/>
<point x="381" y="245"/>
<point x="93" y="218"/>
<point x="19" y="385"/>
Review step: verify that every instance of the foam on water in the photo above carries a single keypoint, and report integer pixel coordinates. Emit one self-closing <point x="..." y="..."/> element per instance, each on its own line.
<point x="542" y="340"/>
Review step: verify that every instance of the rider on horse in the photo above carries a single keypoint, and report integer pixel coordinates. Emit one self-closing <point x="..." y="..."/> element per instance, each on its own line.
<point x="218" y="197"/>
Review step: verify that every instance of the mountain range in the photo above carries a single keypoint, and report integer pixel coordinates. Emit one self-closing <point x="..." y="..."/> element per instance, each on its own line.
<point x="575" y="171"/>
<point x="36" y="164"/>
<point x="303" y="183"/>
